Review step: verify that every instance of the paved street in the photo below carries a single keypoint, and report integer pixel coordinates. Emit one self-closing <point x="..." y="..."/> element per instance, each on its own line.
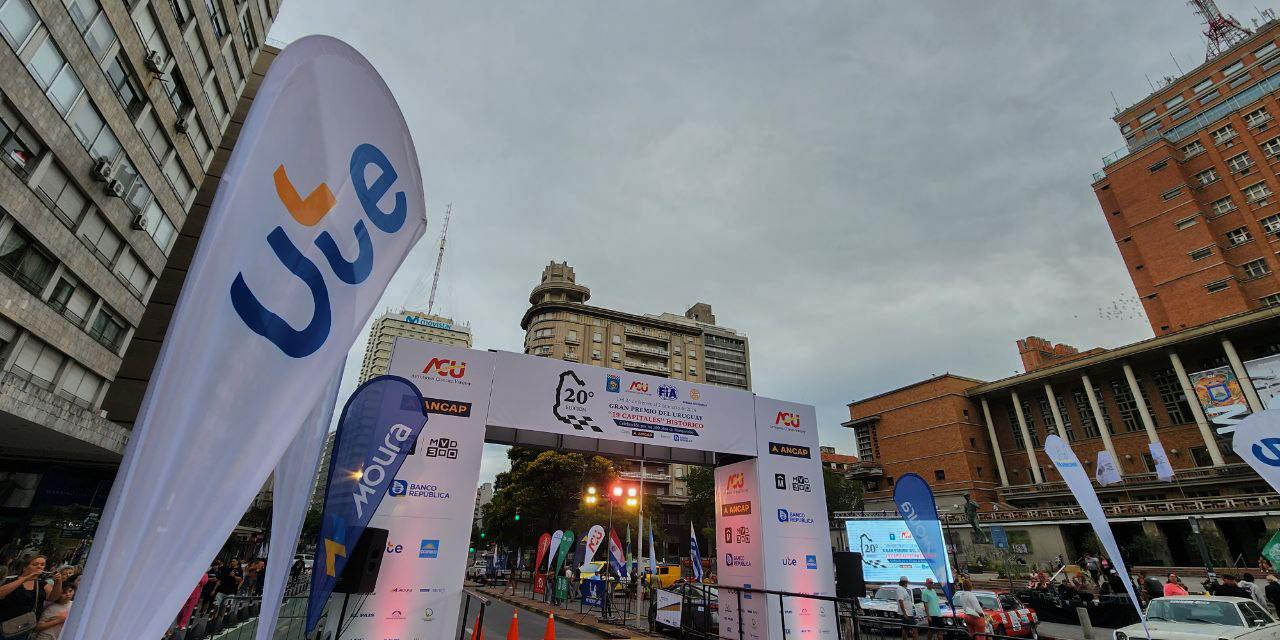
<point x="1071" y="631"/>
<point x="497" y="619"/>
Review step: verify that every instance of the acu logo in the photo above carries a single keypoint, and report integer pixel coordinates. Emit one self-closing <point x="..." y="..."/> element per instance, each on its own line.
<point x="787" y="419"/>
<point x="308" y="212"/>
<point x="446" y="368"/>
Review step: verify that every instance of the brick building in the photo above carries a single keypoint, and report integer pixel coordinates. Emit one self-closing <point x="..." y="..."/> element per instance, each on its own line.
<point x="1191" y="199"/>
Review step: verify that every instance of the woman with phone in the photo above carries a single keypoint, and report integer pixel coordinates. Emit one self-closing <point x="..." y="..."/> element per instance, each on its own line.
<point x="22" y="598"/>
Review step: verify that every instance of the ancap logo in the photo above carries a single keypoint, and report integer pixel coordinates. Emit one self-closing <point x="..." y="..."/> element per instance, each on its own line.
<point x="639" y="387"/>
<point x="736" y="509"/>
<point x="446" y="368"/>
<point x="308" y="212"/>
<point x="787" y="419"/>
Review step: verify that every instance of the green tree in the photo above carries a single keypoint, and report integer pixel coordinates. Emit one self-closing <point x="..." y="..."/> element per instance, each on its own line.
<point x="843" y="494"/>
<point x="701" y="507"/>
<point x="545" y="489"/>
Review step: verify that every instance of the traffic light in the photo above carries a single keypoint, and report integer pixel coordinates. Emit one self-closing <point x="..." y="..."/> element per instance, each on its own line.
<point x="517" y="516"/>
<point x="482" y="535"/>
<point x="471" y="550"/>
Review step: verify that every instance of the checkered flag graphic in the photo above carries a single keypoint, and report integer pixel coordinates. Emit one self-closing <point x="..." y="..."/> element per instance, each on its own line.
<point x="580" y="423"/>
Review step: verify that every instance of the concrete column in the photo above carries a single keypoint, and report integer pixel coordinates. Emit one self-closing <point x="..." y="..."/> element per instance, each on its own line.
<point x="1255" y="403"/>
<point x="1099" y="418"/>
<point x="1026" y="438"/>
<point x="1053" y="406"/>
<point x="1206" y="432"/>
<point x="995" y="443"/>
<point x="1152" y="529"/>
<point x="1139" y="400"/>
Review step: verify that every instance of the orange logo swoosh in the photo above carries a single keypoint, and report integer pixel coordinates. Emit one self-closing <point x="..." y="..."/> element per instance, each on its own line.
<point x="307" y="212"/>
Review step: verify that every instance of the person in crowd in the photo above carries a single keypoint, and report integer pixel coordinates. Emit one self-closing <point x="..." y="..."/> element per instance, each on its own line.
<point x="1151" y="587"/>
<point x="55" y="615"/>
<point x="906" y="607"/>
<point x="27" y="593"/>
<point x="184" y="616"/>
<point x="1264" y="565"/>
<point x="229" y="579"/>
<point x="1091" y="565"/>
<point x="296" y="570"/>
<point x="1273" y="591"/>
<point x="1255" y="592"/>
<point x="1229" y="587"/>
<point x="210" y="586"/>
<point x="964" y="583"/>
<point x="260" y="576"/>
<point x="932" y="609"/>
<point x="967" y="604"/>
<point x="1173" y="586"/>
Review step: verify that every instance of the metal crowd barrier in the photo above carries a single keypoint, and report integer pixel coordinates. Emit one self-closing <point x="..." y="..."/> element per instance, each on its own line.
<point x="483" y="604"/>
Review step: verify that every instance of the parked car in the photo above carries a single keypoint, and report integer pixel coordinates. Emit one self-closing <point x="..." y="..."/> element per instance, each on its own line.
<point x="1006" y="614"/>
<point x="307" y="559"/>
<point x="1204" y="618"/>
<point x="668" y="574"/>
<point x="478" y="570"/>
<point x="701" y="610"/>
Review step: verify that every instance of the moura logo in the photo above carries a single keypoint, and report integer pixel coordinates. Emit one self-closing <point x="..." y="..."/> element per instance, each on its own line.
<point x="308" y="212"/>
<point x="788" y="419"/>
<point x="375" y="473"/>
<point x="446" y="368"/>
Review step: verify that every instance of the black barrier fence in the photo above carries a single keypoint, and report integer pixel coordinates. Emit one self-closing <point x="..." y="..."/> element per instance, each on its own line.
<point x="480" y="603"/>
<point x="236" y="617"/>
<point x="700" y="606"/>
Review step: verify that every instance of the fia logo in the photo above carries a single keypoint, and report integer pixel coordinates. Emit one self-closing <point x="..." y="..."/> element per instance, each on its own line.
<point x="446" y="368"/>
<point x="669" y="392"/>
<point x="308" y="212"/>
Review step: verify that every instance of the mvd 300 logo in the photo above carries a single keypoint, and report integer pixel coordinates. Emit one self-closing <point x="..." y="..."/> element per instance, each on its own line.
<point x="308" y="212"/>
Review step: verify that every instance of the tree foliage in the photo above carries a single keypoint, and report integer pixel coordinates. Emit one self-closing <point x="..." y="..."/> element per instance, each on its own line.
<point x="843" y="494"/>
<point x="545" y="488"/>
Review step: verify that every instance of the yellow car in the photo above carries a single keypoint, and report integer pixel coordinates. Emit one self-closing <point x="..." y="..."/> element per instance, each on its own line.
<point x="668" y="574"/>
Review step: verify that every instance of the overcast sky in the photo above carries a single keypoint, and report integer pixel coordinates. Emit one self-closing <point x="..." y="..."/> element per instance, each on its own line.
<point x="874" y="192"/>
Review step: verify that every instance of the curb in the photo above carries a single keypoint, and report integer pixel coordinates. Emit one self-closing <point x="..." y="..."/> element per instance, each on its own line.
<point x="608" y="631"/>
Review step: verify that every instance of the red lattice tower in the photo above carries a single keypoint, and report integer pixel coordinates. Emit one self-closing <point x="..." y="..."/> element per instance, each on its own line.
<point x="1222" y="30"/>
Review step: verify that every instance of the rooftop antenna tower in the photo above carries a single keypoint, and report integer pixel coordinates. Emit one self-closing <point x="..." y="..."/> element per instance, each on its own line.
<point x="1222" y="30"/>
<point x="435" y="280"/>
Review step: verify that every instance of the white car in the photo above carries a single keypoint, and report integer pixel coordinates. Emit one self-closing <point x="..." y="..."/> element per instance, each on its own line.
<point x="307" y="559"/>
<point x="1204" y="618"/>
<point x="479" y="569"/>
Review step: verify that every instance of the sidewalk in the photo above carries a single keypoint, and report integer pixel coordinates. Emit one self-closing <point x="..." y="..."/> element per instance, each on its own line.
<point x="570" y="617"/>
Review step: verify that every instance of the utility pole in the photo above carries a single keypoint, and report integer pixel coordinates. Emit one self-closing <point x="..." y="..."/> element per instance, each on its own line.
<point x="435" y="280"/>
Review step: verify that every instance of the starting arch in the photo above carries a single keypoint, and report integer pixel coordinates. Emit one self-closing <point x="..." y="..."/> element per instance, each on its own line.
<point x="771" y="507"/>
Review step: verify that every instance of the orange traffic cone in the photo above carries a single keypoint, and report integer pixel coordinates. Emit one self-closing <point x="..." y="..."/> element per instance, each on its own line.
<point x="513" y="632"/>
<point x="477" y="632"/>
<point x="550" y="633"/>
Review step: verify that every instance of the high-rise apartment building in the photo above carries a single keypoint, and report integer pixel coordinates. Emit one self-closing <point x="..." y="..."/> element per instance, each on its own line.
<point x="560" y="324"/>
<point x="110" y="116"/>
<point x="409" y="324"/>
<point x="1191" y="198"/>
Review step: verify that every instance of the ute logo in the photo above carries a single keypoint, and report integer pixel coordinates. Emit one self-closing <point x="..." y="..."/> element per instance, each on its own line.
<point x="446" y="368"/>
<point x="669" y="392"/>
<point x="639" y="387"/>
<point x="308" y="212"/>
<point x="787" y="419"/>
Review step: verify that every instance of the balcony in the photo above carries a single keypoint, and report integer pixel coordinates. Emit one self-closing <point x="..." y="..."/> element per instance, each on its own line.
<point x="647" y="334"/>
<point x="1119" y="511"/>
<point x="36" y="418"/>
<point x="636" y="347"/>
<point x="1198" y="475"/>
<point x="649" y="476"/>
<point x="647" y="366"/>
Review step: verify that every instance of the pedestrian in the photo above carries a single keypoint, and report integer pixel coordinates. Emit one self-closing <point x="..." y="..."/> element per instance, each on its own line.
<point x="296" y="570"/>
<point x="1264" y="565"/>
<point x="1091" y="565"/>
<point x="1273" y="590"/>
<point x="1174" y="586"/>
<point x="1255" y="592"/>
<point x="260" y="575"/>
<point x="55" y="615"/>
<point x="932" y="609"/>
<point x="210" y="586"/>
<point x="229" y="579"/>
<point x="970" y="607"/>
<point x="906" y="607"/>
<point x="1151" y="587"/>
<point x="23" y="597"/>
<point x="1230" y="588"/>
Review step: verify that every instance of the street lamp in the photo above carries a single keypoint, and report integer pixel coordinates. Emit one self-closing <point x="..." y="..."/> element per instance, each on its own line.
<point x="615" y="494"/>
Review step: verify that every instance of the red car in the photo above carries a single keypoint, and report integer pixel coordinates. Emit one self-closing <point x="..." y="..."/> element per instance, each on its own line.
<point x="1005" y="614"/>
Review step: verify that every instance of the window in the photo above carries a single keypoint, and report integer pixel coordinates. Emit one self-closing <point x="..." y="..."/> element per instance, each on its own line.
<point x="1256" y="268"/>
<point x="20" y="147"/>
<point x="596" y="337"/>
<point x="1209" y="97"/>
<point x="199" y="142"/>
<point x="153" y="135"/>
<point x="25" y="262"/>
<point x="177" y="177"/>
<point x="181" y="11"/>
<point x="1066" y="419"/>
<point x="38" y="362"/>
<point x="1257" y="191"/>
<point x="617" y="339"/>
<point x="1264" y="51"/>
<point x="198" y="54"/>
<point x="55" y="76"/>
<point x="79" y="385"/>
<point x="1158" y="166"/>
<point x="136" y="193"/>
<point x="1270" y="301"/>
<point x="572" y="337"/>
<point x="1147" y="117"/>
<point x="246" y="31"/>
<point x="1171" y="395"/>
<point x="1185" y="223"/>
<point x="133" y="273"/>
<point x="1271" y="224"/>
<point x="177" y="92"/>
<point x="99" y="236"/>
<point x="107" y="328"/>
<point x="17" y="21"/>
<point x="1224" y="134"/>
<point x="693" y="371"/>
<point x="125" y="87"/>
<point x="233" y="65"/>
<point x="1256" y="117"/>
<point x="1223" y="205"/>
<point x="615" y="357"/>
<point x="1202" y="85"/>
<point x="939" y="475"/>
<point x="216" y="102"/>
<point x="1271" y="147"/>
<point x="1239" y="236"/>
<point x="1233" y="67"/>
<point x="158" y="226"/>
<point x="93" y="25"/>
<point x="219" y="20"/>
<point x="1214" y="287"/>
<point x="1128" y="408"/>
<point x="1240" y="79"/>
<point x="595" y="355"/>
<point x="1208" y="176"/>
<point x="92" y="132"/>
<point x="1201" y="253"/>
<point x="150" y="33"/>
<point x="1173" y="102"/>
<point x="72" y="299"/>
<point x="1240" y="163"/>
<point x="66" y="200"/>
<point x="1018" y="442"/>
<point x="1196" y="148"/>
<point x="1172" y="193"/>
<point x="544" y="351"/>
<point x="1180" y="113"/>
<point x="1087" y="420"/>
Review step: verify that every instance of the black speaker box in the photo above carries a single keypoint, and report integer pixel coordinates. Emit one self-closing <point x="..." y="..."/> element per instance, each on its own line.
<point x="849" y="582"/>
<point x="361" y="573"/>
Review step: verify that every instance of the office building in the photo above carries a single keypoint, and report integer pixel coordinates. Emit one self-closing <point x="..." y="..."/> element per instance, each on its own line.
<point x="409" y="324"/>
<point x="484" y="495"/>
<point x="560" y="324"/>
<point x="111" y="115"/>
<point x="1191" y="197"/>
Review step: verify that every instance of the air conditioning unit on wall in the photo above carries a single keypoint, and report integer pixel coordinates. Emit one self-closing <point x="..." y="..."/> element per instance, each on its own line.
<point x="102" y="170"/>
<point x="115" y="188"/>
<point x="155" y="61"/>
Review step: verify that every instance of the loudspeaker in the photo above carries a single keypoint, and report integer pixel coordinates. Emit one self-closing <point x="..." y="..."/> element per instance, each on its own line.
<point x="849" y="583"/>
<point x="365" y="560"/>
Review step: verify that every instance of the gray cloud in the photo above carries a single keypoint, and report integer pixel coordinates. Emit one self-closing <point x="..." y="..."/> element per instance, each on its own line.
<point x="873" y="192"/>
